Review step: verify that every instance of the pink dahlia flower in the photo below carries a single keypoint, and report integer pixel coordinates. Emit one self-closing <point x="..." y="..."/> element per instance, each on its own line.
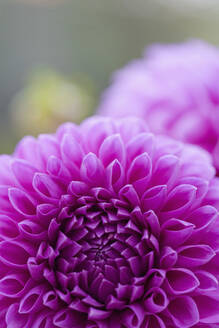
<point x="104" y="225"/>
<point x="175" y="88"/>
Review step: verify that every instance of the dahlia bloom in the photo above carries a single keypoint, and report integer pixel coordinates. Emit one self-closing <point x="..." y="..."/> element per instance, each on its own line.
<point x="175" y="88"/>
<point x="105" y="225"/>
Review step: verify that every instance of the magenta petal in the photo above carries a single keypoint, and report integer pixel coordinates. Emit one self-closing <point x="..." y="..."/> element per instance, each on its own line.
<point x="8" y="227"/>
<point x="92" y="170"/>
<point x="67" y="318"/>
<point x="56" y="167"/>
<point x="14" y="319"/>
<point x="168" y="257"/>
<point x="32" y="301"/>
<point x="154" y="198"/>
<point x="96" y="314"/>
<point x="183" y="312"/>
<point x="181" y="281"/>
<point x="139" y="172"/>
<point x="208" y="281"/>
<point x="47" y="187"/>
<point x="156" y="300"/>
<point x="194" y="255"/>
<point x="15" y="254"/>
<point x="71" y="150"/>
<point x="208" y="309"/>
<point x="175" y="232"/>
<point x="28" y="149"/>
<point x="115" y="144"/>
<point x="21" y="202"/>
<point x="129" y="127"/>
<point x="23" y="172"/>
<point x="141" y="143"/>
<point x="166" y="170"/>
<point x="154" y="321"/>
<point x="129" y="194"/>
<point x="115" y="175"/>
<point x="179" y="200"/>
<point x="48" y="146"/>
<point x="11" y="285"/>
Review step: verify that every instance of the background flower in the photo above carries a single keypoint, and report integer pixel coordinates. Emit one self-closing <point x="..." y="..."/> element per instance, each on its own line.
<point x="175" y="88"/>
<point x="106" y="225"/>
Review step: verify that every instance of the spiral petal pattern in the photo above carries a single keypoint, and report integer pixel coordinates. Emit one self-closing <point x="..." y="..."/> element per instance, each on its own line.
<point x="106" y="225"/>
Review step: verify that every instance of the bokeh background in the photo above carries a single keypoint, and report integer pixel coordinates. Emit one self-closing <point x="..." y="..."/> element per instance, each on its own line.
<point x="56" y="56"/>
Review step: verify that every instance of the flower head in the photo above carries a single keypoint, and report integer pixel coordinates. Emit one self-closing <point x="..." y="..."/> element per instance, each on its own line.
<point x="106" y="225"/>
<point x="175" y="88"/>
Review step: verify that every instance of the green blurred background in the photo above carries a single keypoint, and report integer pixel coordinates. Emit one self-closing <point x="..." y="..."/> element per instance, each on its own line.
<point x="80" y="43"/>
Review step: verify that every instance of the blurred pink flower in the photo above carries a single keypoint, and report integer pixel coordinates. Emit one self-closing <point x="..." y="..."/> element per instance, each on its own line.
<point x="175" y="88"/>
<point x="105" y="225"/>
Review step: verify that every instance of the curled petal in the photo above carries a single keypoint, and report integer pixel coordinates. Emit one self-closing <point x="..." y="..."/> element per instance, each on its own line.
<point x="15" y="254"/>
<point x="208" y="309"/>
<point x="168" y="257"/>
<point x="154" y="198"/>
<point x="155" y="278"/>
<point x="129" y="127"/>
<point x="139" y="173"/>
<point x="21" y="202"/>
<point x="50" y="299"/>
<point x="92" y="170"/>
<point x="32" y="301"/>
<point x="46" y="211"/>
<point x="31" y="230"/>
<point x="47" y="187"/>
<point x="212" y="194"/>
<point x="115" y="175"/>
<point x="201" y="188"/>
<point x="194" y="255"/>
<point x="12" y="285"/>
<point x="71" y="151"/>
<point x="175" y="232"/>
<point x="8" y="228"/>
<point x="111" y="149"/>
<point x="68" y="128"/>
<point x="96" y="314"/>
<point x="24" y="173"/>
<point x="141" y="143"/>
<point x="78" y="188"/>
<point x="36" y="269"/>
<point x="183" y="312"/>
<point x="134" y="316"/>
<point x="56" y="168"/>
<point x="14" y="319"/>
<point x="179" y="201"/>
<point x="42" y="319"/>
<point x="48" y="146"/>
<point x="95" y="131"/>
<point x="67" y="318"/>
<point x="205" y="222"/>
<point x="207" y="281"/>
<point x="28" y="149"/>
<point x="5" y="204"/>
<point x="181" y="281"/>
<point x="154" y="321"/>
<point x="203" y="217"/>
<point x="166" y="170"/>
<point x="129" y="194"/>
<point x="6" y="176"/>
<point x="156" y="300"/>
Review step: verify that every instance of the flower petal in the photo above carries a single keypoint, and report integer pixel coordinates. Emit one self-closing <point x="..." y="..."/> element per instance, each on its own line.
<point x="183" y="312"/>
